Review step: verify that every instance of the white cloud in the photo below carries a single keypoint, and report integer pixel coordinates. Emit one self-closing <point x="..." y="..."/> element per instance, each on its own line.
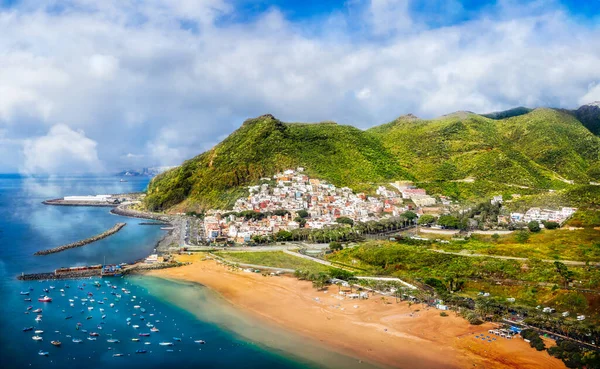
<point x="62" y="150"/>
<point x="164" y="79"/>
<point x="103" y="66"/>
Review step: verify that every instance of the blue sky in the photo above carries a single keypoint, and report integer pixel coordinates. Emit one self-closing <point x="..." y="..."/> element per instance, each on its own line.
<point x="115" y="84"/>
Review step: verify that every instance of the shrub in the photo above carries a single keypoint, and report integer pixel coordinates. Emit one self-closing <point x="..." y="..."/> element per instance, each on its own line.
<point x="533" y="226"/>
<point x="443" y="313"/>
<point x="551" y="225"/>
<point x="335" y="246"/>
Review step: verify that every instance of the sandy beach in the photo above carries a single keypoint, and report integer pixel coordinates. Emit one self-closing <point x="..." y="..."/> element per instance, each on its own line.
<point x="378" y="330"/>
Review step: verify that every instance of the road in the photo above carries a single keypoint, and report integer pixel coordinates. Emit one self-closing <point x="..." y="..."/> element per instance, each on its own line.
<point x="567" y="262"/>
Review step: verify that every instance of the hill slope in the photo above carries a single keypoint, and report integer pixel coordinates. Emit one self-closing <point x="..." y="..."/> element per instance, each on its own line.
<point x="589" y="116"/>
<point x="344" y="155"/>
<point x="463" y="155"/>
<point x="538" y="149"/>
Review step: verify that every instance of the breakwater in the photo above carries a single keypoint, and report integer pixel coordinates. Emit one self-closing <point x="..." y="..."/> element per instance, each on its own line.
<point x="50" y="275"/>
<point x="116" y="228"/>
<point x="62" y="202"/>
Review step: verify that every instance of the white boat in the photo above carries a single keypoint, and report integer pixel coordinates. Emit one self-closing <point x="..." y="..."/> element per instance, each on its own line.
<point x="154" y="329"/>
<point x="166" y="343"/>
<point x="112" y="340"/>
<point x="149" y="325"/>
<point x="91" y="338"/>
<point x="90" y="308"/>
<point x="36" y="338"/>
<point x="147" y="343"/>
<point x="43" y="353"/>
<point x="136" y="306"/>
<point x="76" y="340"/>
<point x="200" y="342"/>
<point x="112" y="305"/>
<point x="135" y="326"/>
<point x="39" y="331"/>
<point x="38" y="318"/>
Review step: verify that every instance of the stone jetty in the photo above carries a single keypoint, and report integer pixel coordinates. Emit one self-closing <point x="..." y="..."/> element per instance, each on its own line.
<point x="116" y="228"/>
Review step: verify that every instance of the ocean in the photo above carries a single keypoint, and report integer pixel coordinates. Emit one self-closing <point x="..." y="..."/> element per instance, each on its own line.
<point x="122" y="308"/>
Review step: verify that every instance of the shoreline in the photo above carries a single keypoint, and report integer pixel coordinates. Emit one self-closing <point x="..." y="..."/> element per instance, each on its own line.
<point x="376" y="330"/>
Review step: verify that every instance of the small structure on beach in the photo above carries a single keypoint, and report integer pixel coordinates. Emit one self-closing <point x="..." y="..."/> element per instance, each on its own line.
<point x="152" y="259"/>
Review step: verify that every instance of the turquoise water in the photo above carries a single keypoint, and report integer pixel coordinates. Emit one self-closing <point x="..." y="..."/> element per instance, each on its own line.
<point x="182" y="312"/>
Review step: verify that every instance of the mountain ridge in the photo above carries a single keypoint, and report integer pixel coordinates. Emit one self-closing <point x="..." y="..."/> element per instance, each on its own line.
<point x="543" y="148"/>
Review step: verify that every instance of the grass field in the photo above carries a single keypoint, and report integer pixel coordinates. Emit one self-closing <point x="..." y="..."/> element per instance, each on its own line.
<point x="277" y="259"/>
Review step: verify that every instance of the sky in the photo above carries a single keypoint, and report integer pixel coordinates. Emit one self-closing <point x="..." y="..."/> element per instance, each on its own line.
<point x="100" y="86"/>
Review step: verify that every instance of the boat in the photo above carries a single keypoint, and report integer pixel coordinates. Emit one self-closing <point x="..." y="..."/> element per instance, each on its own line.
<point x="149" y="325"/>
<point x="166" y="343"/>
<point x="103" y="316"/>
<point x="24" y="292"/>
<point x="169" y="350"/>
<point x="202" y="342"/>
<point x="38" y="318"/>
<point x="37" y="311"/>
<point x="52" y="287"/>
<point x="56" y="343"/>
<point x="128" y="319"/>
<point x="135" y="339"/>
<point x="177" y="339"/>
<point x="142" y="310"/>
<point x="89" y="317"/>
<point x="43" y="353"/>
<point x="136" y="306"/>
<point x="144" y="334"/>
<point x="27" y="299"/>
<point x="140" y="351"/>
<point x="91" y="338"/>
<point x="101" y="310"/>
<point x="36" y="338"/>
<point x="117" y="355"/>
<point x="111" y="305"/>
<point x="68" y="317"/>
<point x="76" y="340"/>
<point x="27" y="329"/>
<point x="112" y="340"/>
<point x="45" y="299"/>
<point x="147" y="343"/>
<point x="94" y="334"/>
<point x="39" y="331"/>
<point x="29" y="307"/>
<point x="90" y="308"/>
<point x="154" y="329"/>
<point x="122" y="180"/>
<point x="135" y="326"/>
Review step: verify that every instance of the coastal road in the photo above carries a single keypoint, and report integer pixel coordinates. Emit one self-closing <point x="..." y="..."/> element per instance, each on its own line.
<point x="567" y="262"/>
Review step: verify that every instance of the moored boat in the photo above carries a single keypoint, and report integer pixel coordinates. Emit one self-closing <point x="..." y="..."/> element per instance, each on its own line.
<point x="56" y="343"/>
<point x="166" y="343"/>
<point x="36" y="338"/>
<point x="202" y="342"/>
<point x="140" y="351"/>
<point x="76" y="340"/>
<point x="27" y="329"/>
<point x="43" y="353"/>
<point x="144" y="334"/>
<point x="45" y="299"/>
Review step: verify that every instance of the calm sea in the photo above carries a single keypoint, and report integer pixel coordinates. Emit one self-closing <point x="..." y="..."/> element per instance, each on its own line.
<point x="183" y="313"/>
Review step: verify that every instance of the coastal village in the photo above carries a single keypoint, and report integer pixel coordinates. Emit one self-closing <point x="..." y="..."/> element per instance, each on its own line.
<point x="291" y="200"/>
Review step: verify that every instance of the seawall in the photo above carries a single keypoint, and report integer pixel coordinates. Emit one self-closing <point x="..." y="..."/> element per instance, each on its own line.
<point x="116" y="228"/>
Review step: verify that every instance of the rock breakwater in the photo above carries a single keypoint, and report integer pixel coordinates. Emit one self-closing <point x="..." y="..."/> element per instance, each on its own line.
<point x="116" y="228"/>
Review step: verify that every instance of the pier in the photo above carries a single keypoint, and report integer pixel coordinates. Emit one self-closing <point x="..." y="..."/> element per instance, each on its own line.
<point x="116" y="228"/>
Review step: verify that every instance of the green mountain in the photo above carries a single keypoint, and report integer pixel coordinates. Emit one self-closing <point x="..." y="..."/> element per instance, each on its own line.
<point x="539" y="149"/>
<point x="463" y="155"/>
<point x="514" y="112"/>
<point x="261" y="147"/>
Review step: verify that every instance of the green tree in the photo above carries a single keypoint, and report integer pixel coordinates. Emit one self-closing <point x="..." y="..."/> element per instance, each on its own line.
<point x="522" y="236"/>
<point x="495" y="237"/>
<point x="302" y="213"/>
<point x="564" y="272"/>
<point x="426" y="219"/>
<point x="410" y="215"/>
<point x="345" y="220"/>
<point x="551" y="225"/>
<point x="533" y="226"/>
<point x="335" y="246"/>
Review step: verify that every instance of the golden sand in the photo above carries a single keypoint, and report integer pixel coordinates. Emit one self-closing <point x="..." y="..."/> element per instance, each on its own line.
<point x="378" y="329"/>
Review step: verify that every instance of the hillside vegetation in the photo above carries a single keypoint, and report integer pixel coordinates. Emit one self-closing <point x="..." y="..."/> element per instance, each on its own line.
<point x="463" y="155"/>
<point x="539" y="149"/>
<point x="344" y="155"/>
